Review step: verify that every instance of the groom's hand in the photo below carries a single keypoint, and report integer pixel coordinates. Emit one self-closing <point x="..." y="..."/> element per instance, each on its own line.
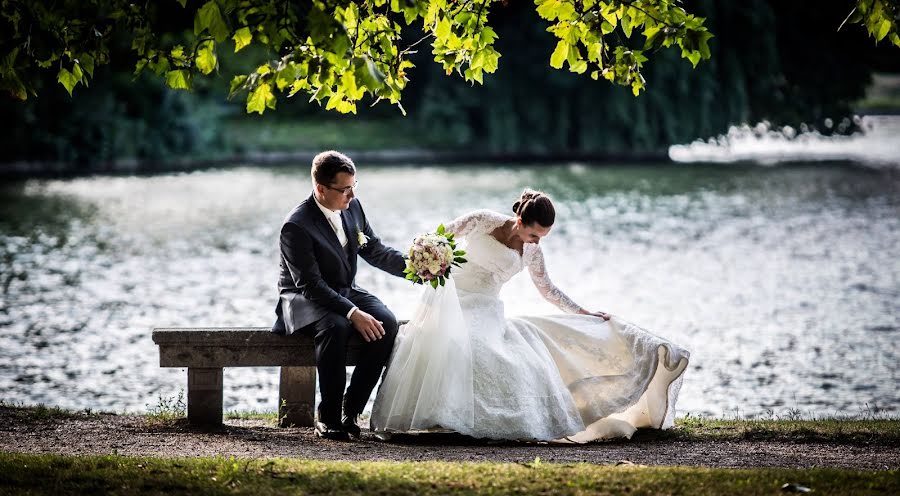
<point x="369" y="327"/>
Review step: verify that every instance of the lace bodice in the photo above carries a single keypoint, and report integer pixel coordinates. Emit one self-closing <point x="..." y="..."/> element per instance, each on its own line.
<point x="491" y="263"/>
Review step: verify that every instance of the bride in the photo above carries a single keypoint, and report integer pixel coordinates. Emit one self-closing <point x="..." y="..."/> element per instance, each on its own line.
<point x="461" y="365"/>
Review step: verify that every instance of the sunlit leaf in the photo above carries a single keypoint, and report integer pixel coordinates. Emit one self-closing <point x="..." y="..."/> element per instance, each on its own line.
<point x="443" y="28"/>
<point x="206" y="57"/>
<point x="67" y="79"/>
<point x="242" y="37"/>
<point x="883" y="29"/>
<point x="209" y="17"/>
<point x="626" y="26"/>
<point x="559" y="55"/>
<point x="694" y="57"/>
<point x="177" y="79"/>
<point x="260" y="99"/>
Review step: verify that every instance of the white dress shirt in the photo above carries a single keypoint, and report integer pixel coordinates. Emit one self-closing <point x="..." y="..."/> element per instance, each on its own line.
<point x="336" y="222"/>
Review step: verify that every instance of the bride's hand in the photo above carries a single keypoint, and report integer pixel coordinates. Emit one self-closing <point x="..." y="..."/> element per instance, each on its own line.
<point x="602" y="315"/>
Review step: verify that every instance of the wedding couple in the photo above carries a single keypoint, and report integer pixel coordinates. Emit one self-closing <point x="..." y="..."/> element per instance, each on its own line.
<point x="460" y="364"/>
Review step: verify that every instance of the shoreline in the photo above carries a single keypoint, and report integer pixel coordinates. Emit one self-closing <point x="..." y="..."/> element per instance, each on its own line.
<point x="863" y="444"/>
<point x="49" y="169"/>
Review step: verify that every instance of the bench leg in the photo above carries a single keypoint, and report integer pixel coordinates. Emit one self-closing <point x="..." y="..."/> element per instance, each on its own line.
<point x="204" y="396"/>
<point x="297" y="397"/>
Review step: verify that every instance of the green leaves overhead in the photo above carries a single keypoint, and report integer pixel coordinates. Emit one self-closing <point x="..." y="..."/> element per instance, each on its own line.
<point x="209" y="18"/>
<point x="206" y="57"/>
<point x="261" y="98"/>
<point x="339" y="53"/>
<point x="242" y="37"/>
<point x="597" y="36"/>
<point x="880" y="17"/>
<point x="178" y="79"/>
<point x="67" y="79"/>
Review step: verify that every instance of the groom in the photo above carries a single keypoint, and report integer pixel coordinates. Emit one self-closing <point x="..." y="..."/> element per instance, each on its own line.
<point x="319" y="242"/>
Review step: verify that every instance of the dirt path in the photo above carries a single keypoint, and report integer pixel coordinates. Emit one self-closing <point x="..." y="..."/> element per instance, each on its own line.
<point x="136" y="436"/>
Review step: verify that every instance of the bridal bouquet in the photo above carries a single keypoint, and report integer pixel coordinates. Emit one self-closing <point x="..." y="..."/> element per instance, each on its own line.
<point x="431" y="257"/>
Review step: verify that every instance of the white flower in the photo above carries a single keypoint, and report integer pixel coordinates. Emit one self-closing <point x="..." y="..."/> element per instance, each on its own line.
<point x="361" y="239"/>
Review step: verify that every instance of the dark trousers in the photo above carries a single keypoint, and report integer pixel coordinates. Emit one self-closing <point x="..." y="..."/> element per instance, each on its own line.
<point x="333" y="334"/>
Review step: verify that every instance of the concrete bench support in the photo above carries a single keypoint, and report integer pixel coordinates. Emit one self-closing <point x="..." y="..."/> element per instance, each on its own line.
<point x="204" y="398"/>
<point x="297" y="397"/>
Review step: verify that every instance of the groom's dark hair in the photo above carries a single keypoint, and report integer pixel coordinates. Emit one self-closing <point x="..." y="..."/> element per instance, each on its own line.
<point x="535" y="206"/>
<point x="327" y="165"/>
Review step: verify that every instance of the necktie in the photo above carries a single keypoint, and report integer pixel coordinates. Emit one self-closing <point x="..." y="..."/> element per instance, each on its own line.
<point x="335" y="220"/>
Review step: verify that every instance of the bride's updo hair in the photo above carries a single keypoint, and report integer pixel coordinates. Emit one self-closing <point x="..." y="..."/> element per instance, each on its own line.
<point x="535" y="206"/>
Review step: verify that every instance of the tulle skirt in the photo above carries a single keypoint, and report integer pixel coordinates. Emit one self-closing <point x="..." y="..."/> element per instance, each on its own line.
<point x="460" y="365"/>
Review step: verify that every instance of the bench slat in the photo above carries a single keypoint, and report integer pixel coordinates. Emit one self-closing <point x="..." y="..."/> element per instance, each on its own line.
<point x="237" y="356"/>
<point x="255" y="336"/>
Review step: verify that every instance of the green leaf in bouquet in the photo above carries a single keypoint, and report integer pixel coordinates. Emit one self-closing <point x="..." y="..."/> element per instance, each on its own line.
<point x="459" y="253"/>
<point x="440" y="229"/>
<point x="434" y="283"/>
<point x="460" y="260"/>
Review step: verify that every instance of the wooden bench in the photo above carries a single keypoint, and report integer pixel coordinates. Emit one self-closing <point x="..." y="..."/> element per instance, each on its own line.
<point x="206" y="351"/>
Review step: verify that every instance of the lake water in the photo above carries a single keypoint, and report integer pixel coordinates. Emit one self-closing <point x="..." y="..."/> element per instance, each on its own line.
<point x="784" y="282"/>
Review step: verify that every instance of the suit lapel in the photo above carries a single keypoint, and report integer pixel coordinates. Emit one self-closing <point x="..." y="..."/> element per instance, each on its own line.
<point x="350" y="230"/>
<point x="325" y="228"/>
<point x="352" y="242"/>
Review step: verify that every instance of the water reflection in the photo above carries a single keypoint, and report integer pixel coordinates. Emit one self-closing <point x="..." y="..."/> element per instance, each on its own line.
<point x="783" y="282"/>
<point x="874" y="145"/>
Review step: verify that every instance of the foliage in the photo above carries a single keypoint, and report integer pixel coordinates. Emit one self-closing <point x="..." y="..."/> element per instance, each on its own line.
<point x="118" y="123"/>
<point x="880" y="17"/>
<point x="62" y="475"/>
<point x="764" y="66"/>
<point x="336" y="51"/>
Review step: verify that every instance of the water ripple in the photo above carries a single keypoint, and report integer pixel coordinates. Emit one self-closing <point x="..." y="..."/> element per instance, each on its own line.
<point x="782" y="281"/>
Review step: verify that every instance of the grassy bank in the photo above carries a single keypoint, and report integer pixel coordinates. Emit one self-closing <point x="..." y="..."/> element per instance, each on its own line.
<point x="849" y="431"/>
<point x="321" y="134"/>
<point x="61" y="475"/>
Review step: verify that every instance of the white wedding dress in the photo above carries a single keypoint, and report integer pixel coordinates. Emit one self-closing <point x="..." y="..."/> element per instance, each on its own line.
<point x="461" y="365"/>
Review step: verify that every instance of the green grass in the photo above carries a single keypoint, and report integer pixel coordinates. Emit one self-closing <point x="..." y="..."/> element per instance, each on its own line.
<point x="270" y="417"/>
<point x="41" y="412"/>
<point x="831" y="430"/>
<point x="167" y="409"/>
<point x="319" y="134"/>
<point x="879" y="103"/>
<point x="61" y="475"/>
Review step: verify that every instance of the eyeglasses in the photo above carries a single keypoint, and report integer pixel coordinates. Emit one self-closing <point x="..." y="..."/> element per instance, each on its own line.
<point x="346" y="190"/>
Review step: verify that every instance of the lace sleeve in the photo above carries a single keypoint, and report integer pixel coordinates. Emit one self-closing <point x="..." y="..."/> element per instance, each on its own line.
<point x="534" y="259"/>
<point x="481" y="221"/>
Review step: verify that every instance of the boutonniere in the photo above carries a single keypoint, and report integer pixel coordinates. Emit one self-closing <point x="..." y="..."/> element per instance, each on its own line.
<point x="361" y="239"/>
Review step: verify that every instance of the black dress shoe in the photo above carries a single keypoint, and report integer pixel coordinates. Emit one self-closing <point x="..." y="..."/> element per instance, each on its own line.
<point x="335" y="432"/>
<point x="350" y="425"/>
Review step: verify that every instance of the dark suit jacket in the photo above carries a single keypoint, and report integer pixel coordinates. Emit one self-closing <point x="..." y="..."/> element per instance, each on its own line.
<point x="316" y="274"/>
